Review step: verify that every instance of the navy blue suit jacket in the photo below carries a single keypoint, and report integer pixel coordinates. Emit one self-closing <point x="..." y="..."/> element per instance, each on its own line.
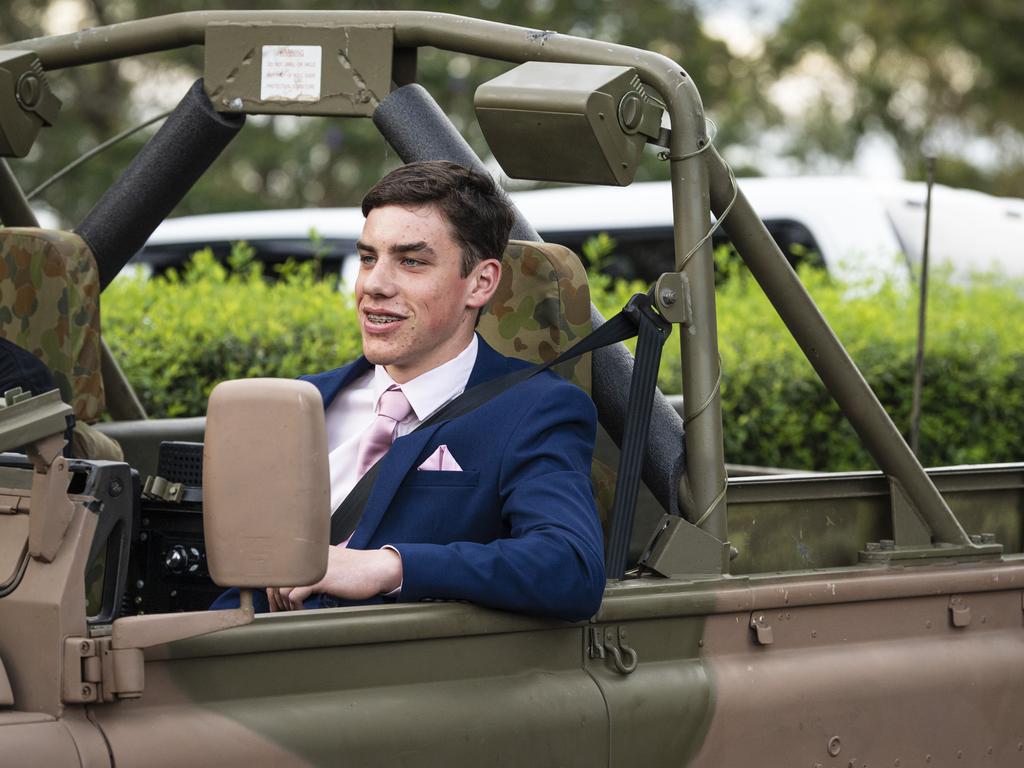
<point x="517" y="529"/>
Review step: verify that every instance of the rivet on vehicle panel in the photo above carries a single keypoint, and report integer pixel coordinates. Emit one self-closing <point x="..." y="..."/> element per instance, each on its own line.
<point x="700" y="643"/>
<point x="927" y="758"/>
<point x="668" y="296"/>
<point x="1020" y="746"/>
<point x="959" y="754"/>
<point x="834" y="747"/>
<point x="988" y="751"/>
<point x="814" y="633"/>
<point x="140" y="584"/>
<point x="897" y="763"/>
<point x="235" y="103"/>
<point x="115" y="487"/>
<point x="86" y="691"/>
<point x="927" y="625"/>
<point x="143" y="536"/>
<point x="84" y="647"/>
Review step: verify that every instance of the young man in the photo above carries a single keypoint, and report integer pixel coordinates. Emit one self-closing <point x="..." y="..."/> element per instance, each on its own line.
<point x="494" y="507"/>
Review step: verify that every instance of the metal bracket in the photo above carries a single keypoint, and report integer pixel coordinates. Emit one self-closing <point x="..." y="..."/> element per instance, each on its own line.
<point x="912" y="537"/>
<point x="959" y="611"/>
<point x="673" y="299"/>
<point x="762" y="629"/>
<point x="26" y="102"/>
<point x="909" y="529"/>
<point x="160" y="488"/>
<point x="612" y="642"/>
<point x="678" y="548"/>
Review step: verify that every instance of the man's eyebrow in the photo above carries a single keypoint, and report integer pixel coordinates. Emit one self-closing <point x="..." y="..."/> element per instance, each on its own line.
<point x="419" y="247"/>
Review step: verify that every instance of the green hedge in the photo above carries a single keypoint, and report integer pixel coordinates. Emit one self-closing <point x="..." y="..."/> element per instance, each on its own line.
<point x="177" y="336"/>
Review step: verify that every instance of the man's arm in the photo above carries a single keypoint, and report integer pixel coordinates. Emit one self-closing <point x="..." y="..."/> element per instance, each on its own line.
<point x="355" y="574"/>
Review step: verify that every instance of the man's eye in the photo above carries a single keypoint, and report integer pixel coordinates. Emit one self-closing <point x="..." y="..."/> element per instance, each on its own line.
<point x="367" y="259"/>
<point x="409" y="262"/>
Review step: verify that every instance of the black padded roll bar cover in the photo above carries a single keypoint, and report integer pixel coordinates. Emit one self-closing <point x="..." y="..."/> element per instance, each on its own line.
<point x="418" y="129"/>
<point x="188" y="142"/>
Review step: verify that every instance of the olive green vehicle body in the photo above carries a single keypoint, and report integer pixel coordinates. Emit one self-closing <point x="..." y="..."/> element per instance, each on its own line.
<point x="864" y="622"/>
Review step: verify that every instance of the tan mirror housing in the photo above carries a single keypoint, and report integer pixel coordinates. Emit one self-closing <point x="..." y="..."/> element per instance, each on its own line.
<point x="266" y="518"/>
<point x="266" y="485"/>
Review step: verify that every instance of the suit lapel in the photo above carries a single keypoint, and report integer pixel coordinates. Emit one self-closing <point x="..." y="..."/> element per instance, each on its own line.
<point x="330" y="383"/>
<point x="395" y="465"/>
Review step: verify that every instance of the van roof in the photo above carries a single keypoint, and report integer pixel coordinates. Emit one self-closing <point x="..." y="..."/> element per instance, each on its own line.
<point x="862" y="226"/>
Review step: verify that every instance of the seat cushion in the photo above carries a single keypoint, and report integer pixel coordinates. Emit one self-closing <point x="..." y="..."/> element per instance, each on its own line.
<point x="50" y="306"/>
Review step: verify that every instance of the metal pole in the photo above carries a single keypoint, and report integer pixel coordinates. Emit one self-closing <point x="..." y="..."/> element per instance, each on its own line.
<point x="828" y="357"/>
<point x="922" y="314"/>
<point x="14" y="208"/>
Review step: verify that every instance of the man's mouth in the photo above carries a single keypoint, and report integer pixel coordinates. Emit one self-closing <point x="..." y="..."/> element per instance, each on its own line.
<point x="382" y="318"/>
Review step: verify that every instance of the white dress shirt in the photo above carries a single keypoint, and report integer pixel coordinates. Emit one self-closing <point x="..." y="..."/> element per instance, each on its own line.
<point x="352" y="411"/>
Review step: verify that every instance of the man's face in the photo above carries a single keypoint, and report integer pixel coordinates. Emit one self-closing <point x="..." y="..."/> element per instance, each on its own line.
<point x="416" y="311"/>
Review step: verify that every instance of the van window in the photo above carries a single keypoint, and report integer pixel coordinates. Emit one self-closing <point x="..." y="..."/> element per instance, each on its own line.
<point x="645" y="254"/>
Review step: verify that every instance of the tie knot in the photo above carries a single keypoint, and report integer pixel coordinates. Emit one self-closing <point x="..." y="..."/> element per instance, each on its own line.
<point x="394" y="404"/>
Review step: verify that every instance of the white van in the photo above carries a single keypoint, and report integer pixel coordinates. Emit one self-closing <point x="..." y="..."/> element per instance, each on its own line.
<point x="858" y="227"/>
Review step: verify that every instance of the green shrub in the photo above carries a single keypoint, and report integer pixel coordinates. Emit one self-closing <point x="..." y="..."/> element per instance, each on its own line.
<point x="178" y="336"/>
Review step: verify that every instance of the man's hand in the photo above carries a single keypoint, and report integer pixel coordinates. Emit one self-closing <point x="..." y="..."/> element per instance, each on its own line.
<point x="352" y="574"/>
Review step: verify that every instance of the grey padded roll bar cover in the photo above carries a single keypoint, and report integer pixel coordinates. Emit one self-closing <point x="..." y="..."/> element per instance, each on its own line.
<point x="156" y="181"/>
<point x="418" y="130"/>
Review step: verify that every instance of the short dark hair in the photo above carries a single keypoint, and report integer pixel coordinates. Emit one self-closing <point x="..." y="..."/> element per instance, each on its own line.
<point x="478" y="212"/>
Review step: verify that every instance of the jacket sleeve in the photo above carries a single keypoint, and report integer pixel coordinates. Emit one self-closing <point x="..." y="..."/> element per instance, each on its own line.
<point x="552" y="563"/>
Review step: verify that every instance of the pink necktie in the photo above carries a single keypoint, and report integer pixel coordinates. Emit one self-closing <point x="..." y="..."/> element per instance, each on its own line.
<point x="392" y="408"/>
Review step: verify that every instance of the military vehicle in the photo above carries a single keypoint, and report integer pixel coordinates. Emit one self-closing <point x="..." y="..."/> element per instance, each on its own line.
<point x="855" y="619"/>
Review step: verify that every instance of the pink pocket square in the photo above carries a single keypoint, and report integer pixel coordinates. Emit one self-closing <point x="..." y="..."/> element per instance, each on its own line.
<point x="441" y="460"/>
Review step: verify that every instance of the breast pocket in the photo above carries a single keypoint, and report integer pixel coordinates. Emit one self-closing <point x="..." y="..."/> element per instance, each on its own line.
<point x="445" y="506"/>
<point x="428" y="478"/>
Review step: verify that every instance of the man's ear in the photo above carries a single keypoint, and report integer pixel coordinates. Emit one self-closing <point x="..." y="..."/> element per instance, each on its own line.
<point x="483" y="282"/>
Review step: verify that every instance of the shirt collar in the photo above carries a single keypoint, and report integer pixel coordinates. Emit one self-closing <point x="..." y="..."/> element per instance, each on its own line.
<point x="429" y="391"/>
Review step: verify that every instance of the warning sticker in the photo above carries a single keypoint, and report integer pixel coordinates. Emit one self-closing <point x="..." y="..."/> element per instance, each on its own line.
<point x="290" y="73"/>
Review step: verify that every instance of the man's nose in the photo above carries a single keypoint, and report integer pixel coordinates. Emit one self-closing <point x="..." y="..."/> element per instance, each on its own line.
<point x="378" y="279"/>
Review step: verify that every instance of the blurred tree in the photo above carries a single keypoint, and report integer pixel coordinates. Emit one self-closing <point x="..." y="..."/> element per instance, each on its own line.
<point x="288" y="162"/>
<point x="944" y="77"/>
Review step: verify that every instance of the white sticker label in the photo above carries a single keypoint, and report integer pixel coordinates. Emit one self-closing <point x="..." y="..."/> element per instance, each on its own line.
<point x="290" y="73"/>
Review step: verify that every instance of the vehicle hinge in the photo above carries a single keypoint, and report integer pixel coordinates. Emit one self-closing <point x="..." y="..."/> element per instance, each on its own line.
<point x="94" y="671"/>
<point x="960" y="611"/>
<point x="613" y="643"/>
<point x="762" y="629"/>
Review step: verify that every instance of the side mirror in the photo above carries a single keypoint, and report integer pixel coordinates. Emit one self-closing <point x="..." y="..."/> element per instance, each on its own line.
<point x="266" y="484"/>
<point x="266" y="516"/>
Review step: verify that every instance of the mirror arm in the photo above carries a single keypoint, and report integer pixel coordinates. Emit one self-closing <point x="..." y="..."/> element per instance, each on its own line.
<point x="136" y="632"/>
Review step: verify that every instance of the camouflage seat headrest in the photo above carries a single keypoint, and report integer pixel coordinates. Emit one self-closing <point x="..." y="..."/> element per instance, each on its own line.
<point x="541" y="307"/>
<point x="50" y="306"/>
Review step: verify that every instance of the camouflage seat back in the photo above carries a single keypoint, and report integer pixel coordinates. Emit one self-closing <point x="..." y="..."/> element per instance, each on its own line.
<point x="50" y="306"/>
<point x="541" y="307"/>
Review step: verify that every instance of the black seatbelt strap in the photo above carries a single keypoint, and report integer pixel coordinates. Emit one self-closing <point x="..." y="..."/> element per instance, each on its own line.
<point x="622" y="326"/>
<point x="653" y="330"/>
